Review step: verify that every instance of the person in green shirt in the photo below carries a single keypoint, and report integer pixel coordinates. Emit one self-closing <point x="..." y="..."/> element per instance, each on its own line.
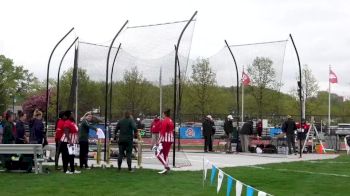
<point x="8" y="126"/>
<point x="85" y="126"/>
<point x="127" y="127"/>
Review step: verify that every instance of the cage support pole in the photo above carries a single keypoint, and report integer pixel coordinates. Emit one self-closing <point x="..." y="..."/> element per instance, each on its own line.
<point x="48" y="75"/>
<point x="111" y="88"/>
<point x="175" y="80"/>
<point x="106" y="90"/>
<point x="300" y="94"/>
<point x="237" y="84"/>
<point x="58" y="76"/>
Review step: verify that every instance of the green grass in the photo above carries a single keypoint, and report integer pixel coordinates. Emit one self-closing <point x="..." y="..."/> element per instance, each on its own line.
<point x="148" y="182"/>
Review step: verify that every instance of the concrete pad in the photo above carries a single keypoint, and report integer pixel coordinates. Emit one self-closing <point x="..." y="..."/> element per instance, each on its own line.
<point x="221" y="160"/>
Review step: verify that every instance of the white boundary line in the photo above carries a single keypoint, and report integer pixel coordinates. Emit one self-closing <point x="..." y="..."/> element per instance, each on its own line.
<point x="300" y="171"/>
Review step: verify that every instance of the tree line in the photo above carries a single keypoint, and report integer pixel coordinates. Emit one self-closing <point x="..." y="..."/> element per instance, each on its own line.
<point x="201" y="95"/>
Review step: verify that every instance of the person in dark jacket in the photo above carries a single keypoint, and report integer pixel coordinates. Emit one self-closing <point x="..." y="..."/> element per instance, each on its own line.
<point x="85" y="126"/>
<point x="127" y="127"/>
<point x="289" y="128"/>
<point x="259" y="127"/>
<point x="208" y="132"/>
<point x="246" y="130"/>
<point x="20" y="130"/>
<point x="1" y="128"/>
<point x="228" y="128"/>
<point x="8" y="126"/>
<point x="38" y="128"/>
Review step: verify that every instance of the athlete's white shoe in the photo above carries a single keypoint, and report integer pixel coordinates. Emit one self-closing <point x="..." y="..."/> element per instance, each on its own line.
<point x="165" y="171"/>
<point x="77" y="172"/>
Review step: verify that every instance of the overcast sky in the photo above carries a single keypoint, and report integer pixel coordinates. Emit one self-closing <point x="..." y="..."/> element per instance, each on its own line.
<point x="321" y="29"/>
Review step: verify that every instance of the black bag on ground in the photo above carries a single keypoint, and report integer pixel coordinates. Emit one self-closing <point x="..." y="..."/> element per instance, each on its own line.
<point x="270" y="149"/>
<point x="239" y="146"/>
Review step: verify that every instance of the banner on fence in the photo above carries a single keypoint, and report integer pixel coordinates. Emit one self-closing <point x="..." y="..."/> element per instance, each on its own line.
<point x="191" y="133"/>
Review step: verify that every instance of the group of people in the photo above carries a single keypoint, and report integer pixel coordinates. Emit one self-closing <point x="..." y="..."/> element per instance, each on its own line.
<point x="68" y="135"/>
<point x="208" y="131"/>
<point x="13" y="131"/>
<point x="242" y="137"/>
<point x="162" y="138"/>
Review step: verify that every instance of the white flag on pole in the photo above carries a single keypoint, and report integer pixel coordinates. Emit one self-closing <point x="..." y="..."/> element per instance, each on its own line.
<point x="220" y="178"/>
<point x="206" y="169"/>
<point x="100" y="134"/>
<point x="239" y="187"/>
<point x="260" y="193"/>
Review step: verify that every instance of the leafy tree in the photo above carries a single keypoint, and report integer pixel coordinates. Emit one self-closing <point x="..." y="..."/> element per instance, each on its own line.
<point x="263" y="76"/>
<point x="135" y="94"/>
<point x="91" y="94"/>
<point x="36" y="101"/>
<point x="202" y="83"/>
<point x="310" y="86"/>
<point x="14" y="81"/>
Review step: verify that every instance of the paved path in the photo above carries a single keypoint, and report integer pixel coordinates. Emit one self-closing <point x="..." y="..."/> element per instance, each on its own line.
<point x="219" y="159"/>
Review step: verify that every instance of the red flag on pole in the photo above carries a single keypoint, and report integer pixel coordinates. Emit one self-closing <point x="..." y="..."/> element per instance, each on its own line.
<point x="245" y="79"/>
<point x="332" y="77"/>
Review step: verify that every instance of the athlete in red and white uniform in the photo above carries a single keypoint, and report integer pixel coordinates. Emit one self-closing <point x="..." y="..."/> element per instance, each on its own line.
<point x="166" y="139"/>
<point x="69" y="138"/>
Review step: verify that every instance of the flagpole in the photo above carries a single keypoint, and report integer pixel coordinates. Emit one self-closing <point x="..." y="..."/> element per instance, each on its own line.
<point x="329" y="101"/>
<point x="160" y="93"/>
<point x="242" y="96"/>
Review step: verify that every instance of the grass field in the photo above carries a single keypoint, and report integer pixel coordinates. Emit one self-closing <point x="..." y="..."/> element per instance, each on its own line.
<point x="327" y="177"/>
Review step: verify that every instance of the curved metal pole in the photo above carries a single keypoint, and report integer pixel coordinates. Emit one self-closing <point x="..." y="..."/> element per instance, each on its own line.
<point x="300" y="94"/>
<point x="106" y="91"/>
<point x="180" y="98"/>
<point x="58" y="76"/>
<point x="175" y="78"/>
<point x="47" y="77"/>
<point x="237" y="88"/>
<point x="111" y="88"/>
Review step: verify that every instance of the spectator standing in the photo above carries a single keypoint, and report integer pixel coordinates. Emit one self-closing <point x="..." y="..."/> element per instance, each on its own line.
<point x="228" y="128"/>
<point x="8" y="126"/>
<point x="244" y="133"/>
<point x="37" y="128"/>
<point x="85" y="126"/>
<point x="155" y="129"/>
<point x="208" y="132"/>
<point x="289" y="128"/>
<point x="127" y="128"/>
<point x="259" y="127"/>
<point x="1" y="128"/>
<point x="40" y="135"/>
<point x="20" y="130"/>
